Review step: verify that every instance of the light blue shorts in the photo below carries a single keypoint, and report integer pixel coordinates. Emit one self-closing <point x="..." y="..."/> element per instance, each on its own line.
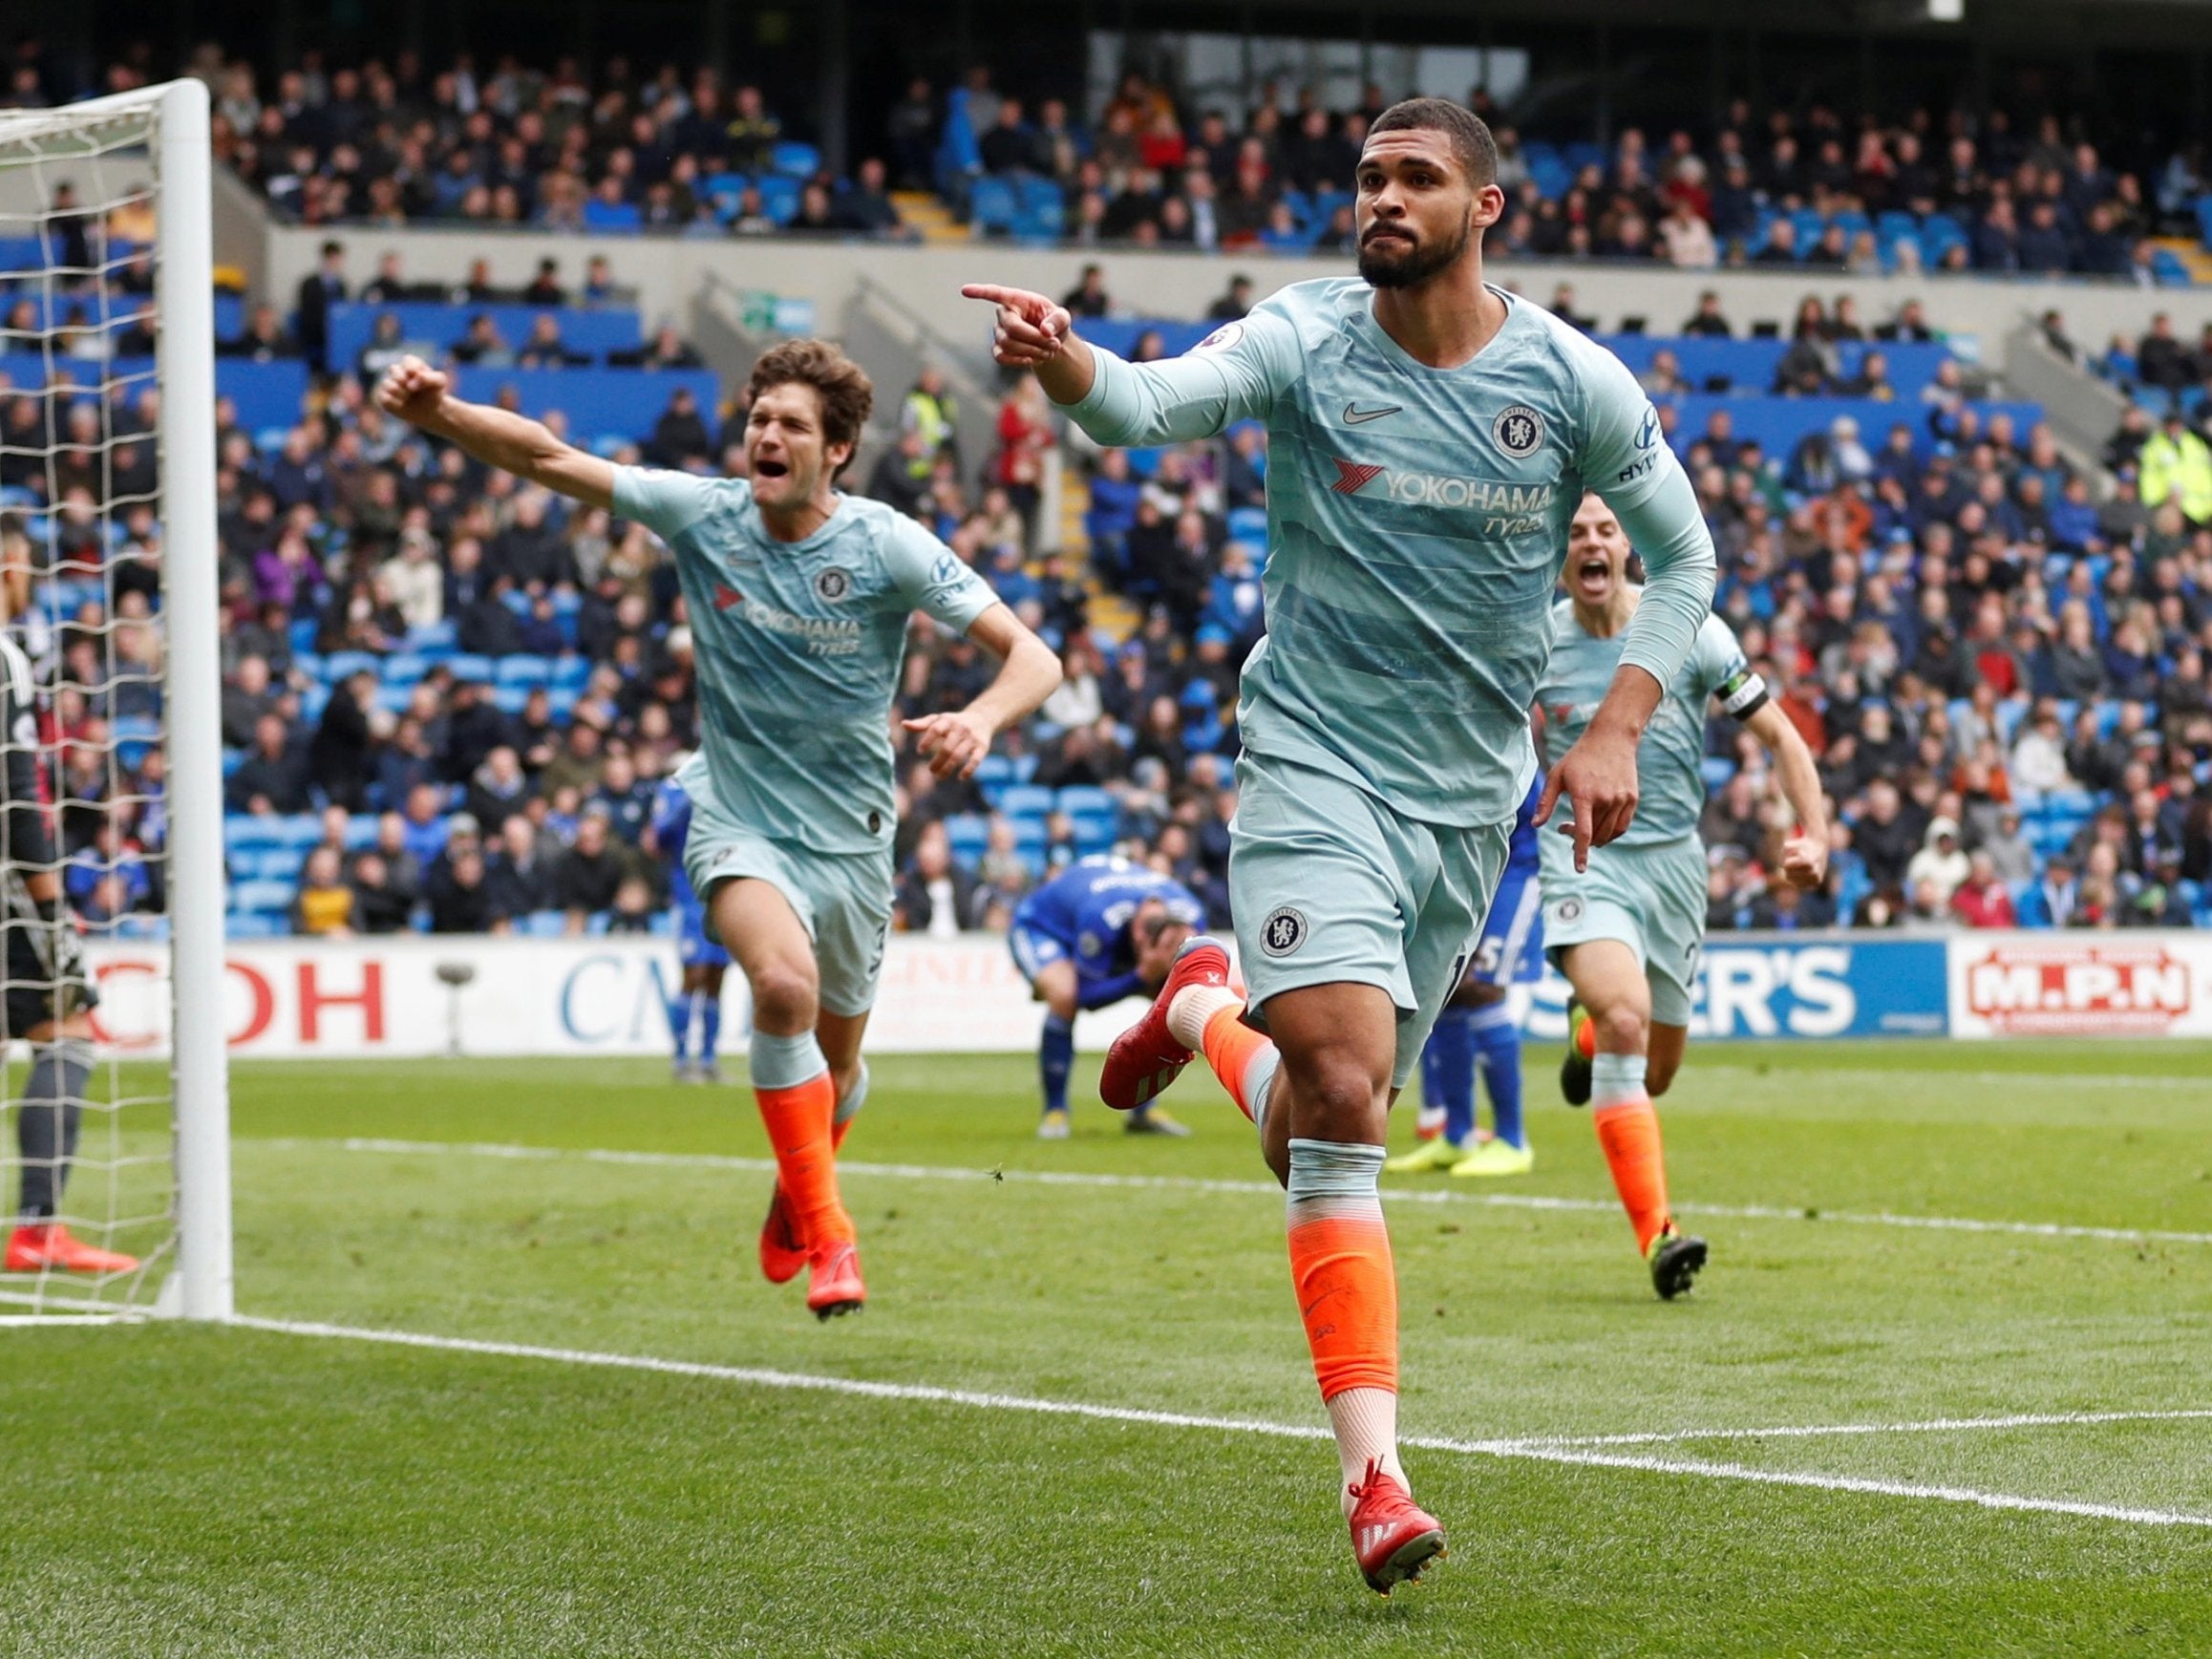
<point x="843" y="899"/>
<point x="1329" y="885"/>
<point x="1649" y="898"/>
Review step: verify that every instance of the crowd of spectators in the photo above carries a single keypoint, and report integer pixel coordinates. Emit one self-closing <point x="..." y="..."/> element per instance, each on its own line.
<point x="611" y="147"/>
<point x="1999" y="664"/>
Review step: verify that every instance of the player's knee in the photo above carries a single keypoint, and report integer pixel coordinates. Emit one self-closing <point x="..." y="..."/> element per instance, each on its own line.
<point x="1337" y="1090"/>
<point x="1623" y="1030"/>
<point x="1059" y="1000"/>
<point x="784" y="996"/>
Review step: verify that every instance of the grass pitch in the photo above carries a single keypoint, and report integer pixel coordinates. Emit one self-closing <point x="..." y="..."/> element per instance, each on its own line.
<point x="191" y="1491"/>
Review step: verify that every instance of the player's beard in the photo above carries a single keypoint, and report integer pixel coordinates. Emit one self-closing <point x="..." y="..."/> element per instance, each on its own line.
<point x="1388" y="266"/>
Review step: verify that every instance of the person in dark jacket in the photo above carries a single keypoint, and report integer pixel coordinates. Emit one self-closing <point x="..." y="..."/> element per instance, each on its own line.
<point x="338" y="757"/>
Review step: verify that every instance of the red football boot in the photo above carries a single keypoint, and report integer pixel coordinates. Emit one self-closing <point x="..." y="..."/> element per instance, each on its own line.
<point x="1146" y="1058"/>
<point x="782" y="1253"/>
<point x="48" y="1246"/>
<point x="1392" y="1537"/>
<point x="835" y="1286"/>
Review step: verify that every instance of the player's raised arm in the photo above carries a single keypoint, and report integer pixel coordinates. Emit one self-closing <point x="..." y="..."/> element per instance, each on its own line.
<point x="1234" y="374"/>
<point x="423" y="397"/>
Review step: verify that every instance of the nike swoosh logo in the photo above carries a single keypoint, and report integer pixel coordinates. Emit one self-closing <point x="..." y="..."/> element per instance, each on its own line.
<point x="1355" y="416"/>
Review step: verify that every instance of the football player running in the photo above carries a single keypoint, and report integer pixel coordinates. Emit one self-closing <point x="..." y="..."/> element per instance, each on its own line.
<point x="1429" y="435"/>
<point x="797" y="597"/>
<point x="1627" y="928"/>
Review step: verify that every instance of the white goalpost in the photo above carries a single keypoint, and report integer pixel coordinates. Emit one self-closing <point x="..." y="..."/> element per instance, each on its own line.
<point x="108" y="503"/>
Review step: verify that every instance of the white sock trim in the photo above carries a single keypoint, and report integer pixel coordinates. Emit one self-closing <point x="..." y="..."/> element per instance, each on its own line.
<point x="1193" y="1010"/>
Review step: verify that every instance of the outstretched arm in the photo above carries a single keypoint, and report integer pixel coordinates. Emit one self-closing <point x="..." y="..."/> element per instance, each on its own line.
<point x="423" y="397"/>
<point x="1804" y="854"/>
<point x="1233" y="375"/>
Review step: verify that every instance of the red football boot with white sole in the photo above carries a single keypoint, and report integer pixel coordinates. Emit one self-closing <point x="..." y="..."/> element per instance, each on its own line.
<point x="1146" y="1058"/>
<point x="835" y="1286"/>
<point x="782" y="1256"/>
<point x="1392" y="1537"/>
<point x="48" y="1246"/>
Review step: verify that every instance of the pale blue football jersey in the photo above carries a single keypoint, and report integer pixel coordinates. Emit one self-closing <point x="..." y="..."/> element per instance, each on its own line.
<point x="1670" y="779"/>
<point x="1417" y="523"/>
<point x="798" y="647"/>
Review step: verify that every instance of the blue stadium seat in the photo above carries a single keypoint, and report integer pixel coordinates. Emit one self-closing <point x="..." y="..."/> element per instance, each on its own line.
<point x="1024" y="801"/>
<point x="343" y="665"/>
<point x="242" y="831"/>
<point x="778" y="199"/>
<point x="629" y="401"/>
<point x="404" y="667"/>
<point x="524" y="672"/>
<point x="794" y="159"/>
<point x="968" y="834"/>
<point x="1717" y="769"/>
<point x="1096" y="835"/>
<point x="276" y="864"/>
<point x="993" y="205"/>
<point x="596" y="330"/>
<point x="303" y="829"/>
<point x="433" y="637"/>
<point x="995" y="769"/>
<point x="542" y="924"/>
<point x="255" y="925"/>
<point x="1248" y="524"/>
<point x="1080" y="800"/>
<point x="470" y="670"/>
<point x="270" y="897"/>
<point x="570" y="672"/>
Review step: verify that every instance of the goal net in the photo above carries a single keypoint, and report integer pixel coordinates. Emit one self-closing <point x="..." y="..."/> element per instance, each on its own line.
<point x="114" y="1164"/>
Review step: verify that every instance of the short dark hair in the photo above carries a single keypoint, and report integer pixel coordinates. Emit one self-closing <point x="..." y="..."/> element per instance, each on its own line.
<point x="846" y="393"/>
<point x="1472" y="146"/>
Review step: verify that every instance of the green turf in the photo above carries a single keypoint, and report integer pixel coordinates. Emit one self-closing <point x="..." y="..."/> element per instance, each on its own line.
<point x="203" y="1492"/>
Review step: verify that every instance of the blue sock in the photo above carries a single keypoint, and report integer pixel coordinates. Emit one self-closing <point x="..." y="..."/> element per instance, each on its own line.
<point x="710" y="1024"/>
<point x="1055" y="1059"/>
<point x="1498" y="1047"/>
<point x="680" y="1022"/>
<point x="1448" y="1074"/>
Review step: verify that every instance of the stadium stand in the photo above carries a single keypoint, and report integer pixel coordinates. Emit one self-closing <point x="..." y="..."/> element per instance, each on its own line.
<point x="1969" y="627"/>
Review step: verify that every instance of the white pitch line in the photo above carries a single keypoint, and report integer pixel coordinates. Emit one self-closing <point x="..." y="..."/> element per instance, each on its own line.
<point x="2131" y="1081"/>
<point x="1537" y="1450"/>
<point x="1926" y="1426"/>
<point x="1197" y="1183"/>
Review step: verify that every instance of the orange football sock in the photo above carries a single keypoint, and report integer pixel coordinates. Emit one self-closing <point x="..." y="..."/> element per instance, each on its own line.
<point x="1230" y="1047"/>
<point x="1586" y="1037"/>
<point x="1340" y="1261"/>
<point x="799" y="1129"/>
<point x="1628" y="1131"/>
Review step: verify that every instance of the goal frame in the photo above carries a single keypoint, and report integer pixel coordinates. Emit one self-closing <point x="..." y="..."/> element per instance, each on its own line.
<point x="201" y="1283"/>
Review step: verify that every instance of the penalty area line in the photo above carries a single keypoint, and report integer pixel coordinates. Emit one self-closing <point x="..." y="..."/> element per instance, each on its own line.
<point x="1532" y="1451"/>
<point x="1198" y="1183"/>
